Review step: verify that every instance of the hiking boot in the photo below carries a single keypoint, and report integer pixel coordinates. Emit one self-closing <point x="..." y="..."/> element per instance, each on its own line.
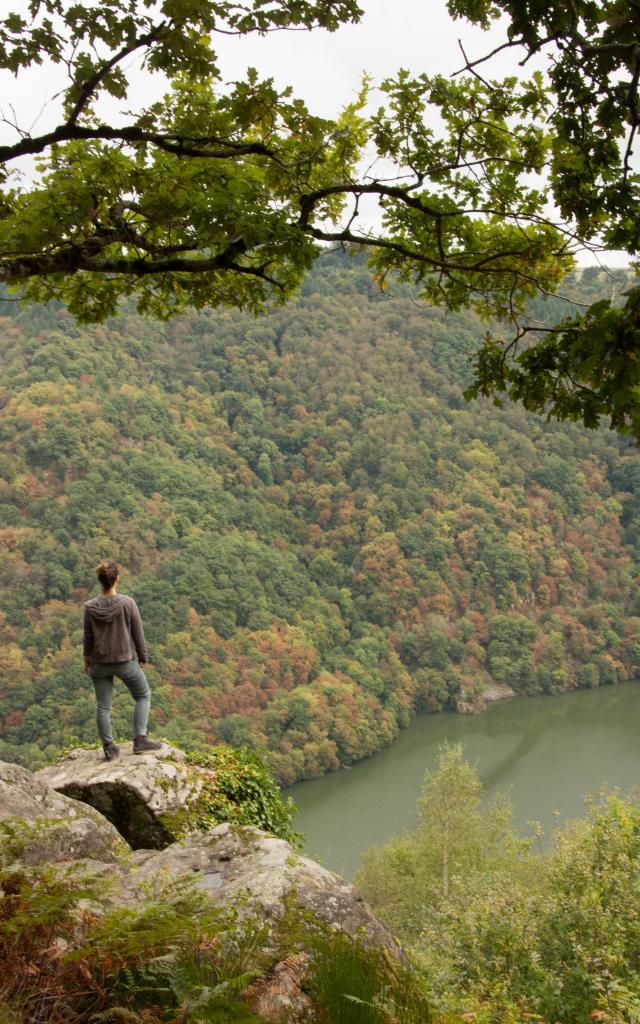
<point x="142" y="743"/>
<point x="111" y="751"/>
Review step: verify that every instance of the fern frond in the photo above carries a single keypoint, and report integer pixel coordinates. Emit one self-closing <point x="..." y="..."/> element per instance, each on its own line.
<point x="119" y="1013"/>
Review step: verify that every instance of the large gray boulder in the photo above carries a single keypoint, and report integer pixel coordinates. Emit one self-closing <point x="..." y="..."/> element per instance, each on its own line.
<point x="146" y="796"/>
<point x="243" y="866"/>
<point x="41" y="826"/>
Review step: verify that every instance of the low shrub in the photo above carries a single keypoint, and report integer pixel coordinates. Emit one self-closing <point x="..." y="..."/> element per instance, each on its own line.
<point x="242" y="791"/>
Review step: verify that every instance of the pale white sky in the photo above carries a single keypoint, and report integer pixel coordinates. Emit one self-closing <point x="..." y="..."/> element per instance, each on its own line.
<point x="324" y="69"/>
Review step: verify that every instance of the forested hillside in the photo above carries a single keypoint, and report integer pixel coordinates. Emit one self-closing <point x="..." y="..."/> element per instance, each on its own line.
<point x="322" y="536"/>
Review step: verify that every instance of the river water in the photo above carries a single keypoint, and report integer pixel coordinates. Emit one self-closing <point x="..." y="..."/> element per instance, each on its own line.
<point x="546" y="753"/>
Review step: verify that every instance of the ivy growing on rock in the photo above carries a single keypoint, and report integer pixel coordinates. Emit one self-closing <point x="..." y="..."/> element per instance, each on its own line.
<point x="240" y="789"/>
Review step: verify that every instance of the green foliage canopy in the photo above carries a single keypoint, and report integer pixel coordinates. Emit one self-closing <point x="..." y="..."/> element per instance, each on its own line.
<point x="586" y="366"/>
<point x="189" y="201"/>
<point x="220" y="194"/>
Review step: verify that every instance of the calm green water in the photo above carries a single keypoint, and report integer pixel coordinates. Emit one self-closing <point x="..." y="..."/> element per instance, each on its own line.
<point x="547" y="753"/>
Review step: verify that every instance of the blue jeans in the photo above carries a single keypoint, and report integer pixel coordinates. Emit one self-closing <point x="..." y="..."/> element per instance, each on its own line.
<point x="136" y="682"/>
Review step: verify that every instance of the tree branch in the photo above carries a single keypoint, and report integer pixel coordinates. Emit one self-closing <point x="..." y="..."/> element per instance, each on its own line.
<point x="180" y="146"/>
<point x="86" y="257"/>
<point x="88" y="87"/>
<point x="449" y="265"/>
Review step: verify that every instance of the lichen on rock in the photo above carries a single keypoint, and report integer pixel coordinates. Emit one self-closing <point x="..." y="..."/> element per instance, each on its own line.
<point x="243" y="865"/>
<point x="45" y="827"/>
<point x="138" y="793"/>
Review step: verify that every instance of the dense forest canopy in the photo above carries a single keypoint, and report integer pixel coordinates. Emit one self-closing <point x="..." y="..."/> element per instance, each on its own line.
<point x="220" y="194"/>
<point x="322" y="536"/>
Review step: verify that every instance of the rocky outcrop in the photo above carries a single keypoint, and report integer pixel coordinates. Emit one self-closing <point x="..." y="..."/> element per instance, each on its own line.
<point x="261" y="877"/>
<point x="53" y="828"/>
<point x="240" y="865"/>
<point x="492" y="691"/>
<point x="143" y="795"/>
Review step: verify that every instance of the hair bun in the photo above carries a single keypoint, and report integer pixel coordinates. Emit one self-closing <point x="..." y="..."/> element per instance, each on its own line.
<point x="107" y="572"/>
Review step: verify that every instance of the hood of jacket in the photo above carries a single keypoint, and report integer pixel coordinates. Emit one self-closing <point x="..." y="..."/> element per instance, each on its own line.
<point x="105" y="609"/>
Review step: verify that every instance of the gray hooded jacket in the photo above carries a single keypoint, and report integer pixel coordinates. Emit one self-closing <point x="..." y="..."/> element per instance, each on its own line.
<point x="113" y="630"/>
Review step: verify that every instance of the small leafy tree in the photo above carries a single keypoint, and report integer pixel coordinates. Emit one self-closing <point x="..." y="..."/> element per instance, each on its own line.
<point x="427" y="872"/>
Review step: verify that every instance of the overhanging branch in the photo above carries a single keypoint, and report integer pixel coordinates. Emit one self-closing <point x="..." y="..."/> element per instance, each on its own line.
<point x="171" y="143"/>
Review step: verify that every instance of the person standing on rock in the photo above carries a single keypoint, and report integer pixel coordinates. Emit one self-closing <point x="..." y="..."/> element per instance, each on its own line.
<point x="114" y="645"/>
